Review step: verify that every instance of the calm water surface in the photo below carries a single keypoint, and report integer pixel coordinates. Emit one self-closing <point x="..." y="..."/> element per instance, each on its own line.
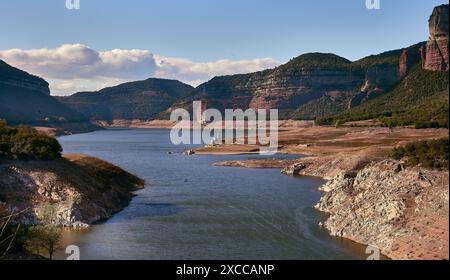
<point x="193" y="210"/>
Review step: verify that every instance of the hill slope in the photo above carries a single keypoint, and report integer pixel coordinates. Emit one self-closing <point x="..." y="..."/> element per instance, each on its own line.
<point x="25" y="99"/>
<point x="142" y="100"/>
<point x="309" y="86"/>
<point x="421" y="99"/>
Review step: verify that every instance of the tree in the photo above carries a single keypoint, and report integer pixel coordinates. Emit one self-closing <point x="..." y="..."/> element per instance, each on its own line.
<point x="45" y="238"/>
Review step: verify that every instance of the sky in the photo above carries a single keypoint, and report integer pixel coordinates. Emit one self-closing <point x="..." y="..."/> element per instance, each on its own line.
<point x="107" y="42"/>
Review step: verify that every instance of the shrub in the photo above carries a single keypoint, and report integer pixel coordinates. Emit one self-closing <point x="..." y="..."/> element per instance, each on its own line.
<point x="26" y="143"/>
<point x="430" y="154"/>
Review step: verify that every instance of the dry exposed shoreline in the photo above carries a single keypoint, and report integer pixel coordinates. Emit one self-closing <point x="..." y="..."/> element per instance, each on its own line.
<point x="370" y="199"/>
<point x="78" y="189"/>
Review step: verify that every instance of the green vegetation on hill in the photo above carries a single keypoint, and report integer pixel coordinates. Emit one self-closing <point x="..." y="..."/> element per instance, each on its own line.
<point x="142" y="100"/>
<point x="316" y="61"/>
<point x="430" y="154"/>
<point x="421" y="99"/>
<point x="26" y="143"/>
<point x="322" y="106"/>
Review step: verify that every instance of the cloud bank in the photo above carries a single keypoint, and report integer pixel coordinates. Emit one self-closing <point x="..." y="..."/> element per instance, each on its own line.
<point x="75" y="67"/>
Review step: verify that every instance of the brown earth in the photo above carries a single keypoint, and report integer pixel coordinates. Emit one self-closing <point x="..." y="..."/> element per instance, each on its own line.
<point x="78" y="190"/>
<point x="370" y="199"/>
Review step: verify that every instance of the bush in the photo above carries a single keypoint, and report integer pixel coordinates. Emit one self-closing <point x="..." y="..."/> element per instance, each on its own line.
<point x="26" y="143"/>
<point x="324" y="121"/>
<point x="430" y="154"/>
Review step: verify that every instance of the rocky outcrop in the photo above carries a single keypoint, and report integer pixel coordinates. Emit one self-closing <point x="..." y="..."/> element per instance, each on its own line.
<point x="380" y="77"/>
<point x="436" y="53"/>
<point x="408" y="59"/>
<point x="10" y="76"/>
<point x="311" y="85"/>
<point x="25" y="99"/>
<point x="401" y="210"/>
<point x="294" y="169"/>
<point x="72" y="192"/>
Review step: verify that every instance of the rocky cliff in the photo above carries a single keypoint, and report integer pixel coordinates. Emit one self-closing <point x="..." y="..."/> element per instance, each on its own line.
<point x="25" y="99"/>
<point x="13" y="77"/>
<point x="311" y="85"/>
<point x="401" y="210"/>
<point x="420" y="99"/>
<point x="408" y="59"/>
<point x="75" y="191"/>
<point x="436" y="53"/>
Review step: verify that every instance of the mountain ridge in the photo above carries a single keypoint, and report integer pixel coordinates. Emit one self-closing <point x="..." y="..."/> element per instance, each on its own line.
<point x="133" y="100"/>
<point x="26" y="99"/>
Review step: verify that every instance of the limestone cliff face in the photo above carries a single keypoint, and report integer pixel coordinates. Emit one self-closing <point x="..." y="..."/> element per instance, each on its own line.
<point x="401" y="210"/>
<point x="379" y="77"/>
<point x="311" y="85"/>
<point x="408" y="59"/>
<point x="74" y="191"/>
<point x="436" y="53"/>
<point x="287" y="92"/>
<point x="275" y="89"/>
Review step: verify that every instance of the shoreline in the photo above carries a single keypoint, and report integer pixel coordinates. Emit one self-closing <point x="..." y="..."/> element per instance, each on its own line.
<point x="80" y="190"/>
<point x="338" y="199"/>
<point x="369" y="198"/>
<point x="353" y="160"/>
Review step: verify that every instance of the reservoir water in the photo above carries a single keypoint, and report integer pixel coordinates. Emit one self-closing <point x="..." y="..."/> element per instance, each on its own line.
<point x="191" y="209"/>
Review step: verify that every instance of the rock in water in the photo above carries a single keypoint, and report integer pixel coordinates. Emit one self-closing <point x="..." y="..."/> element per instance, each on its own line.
<point x="189" y="152"/>
<point x="294" y="169"/>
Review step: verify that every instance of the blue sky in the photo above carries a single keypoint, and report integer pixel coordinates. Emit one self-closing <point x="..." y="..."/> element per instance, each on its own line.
<point x="210" y="30"/>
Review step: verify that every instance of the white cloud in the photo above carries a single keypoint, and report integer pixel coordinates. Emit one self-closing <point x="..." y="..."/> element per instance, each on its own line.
<point x="75" y="67"/>
<point x="198" y="72"/>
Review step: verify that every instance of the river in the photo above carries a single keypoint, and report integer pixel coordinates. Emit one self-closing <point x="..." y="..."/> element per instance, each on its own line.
<point x="191" y="209"/>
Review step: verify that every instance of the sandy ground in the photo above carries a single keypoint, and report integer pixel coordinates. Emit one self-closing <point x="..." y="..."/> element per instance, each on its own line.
<point x="329" y="140"/>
